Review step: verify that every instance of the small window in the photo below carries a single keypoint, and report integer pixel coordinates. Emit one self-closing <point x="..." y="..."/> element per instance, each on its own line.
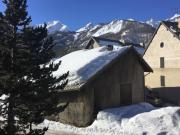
<point x="161" y="44"/>
<point x="161" y="62"/>
<point x="162" y="81"/>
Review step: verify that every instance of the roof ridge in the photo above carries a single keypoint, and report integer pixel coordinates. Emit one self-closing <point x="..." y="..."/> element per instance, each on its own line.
<point x="107" y="39"/>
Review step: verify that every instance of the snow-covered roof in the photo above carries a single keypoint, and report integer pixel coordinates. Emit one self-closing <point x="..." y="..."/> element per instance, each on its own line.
<point x="173" y="27"/>
<point x="84" y="64"/>
<point x="140" y="50"/>
<point x="103" y="42"/>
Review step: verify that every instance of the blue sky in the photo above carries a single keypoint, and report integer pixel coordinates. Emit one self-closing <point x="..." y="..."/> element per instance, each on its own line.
<point x="77" y="13"/>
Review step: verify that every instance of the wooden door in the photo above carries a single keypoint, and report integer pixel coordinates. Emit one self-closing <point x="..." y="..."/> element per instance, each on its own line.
<point x="126" y="94"/>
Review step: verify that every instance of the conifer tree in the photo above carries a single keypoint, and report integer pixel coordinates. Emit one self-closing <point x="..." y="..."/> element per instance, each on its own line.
<point x="26" y="82"/>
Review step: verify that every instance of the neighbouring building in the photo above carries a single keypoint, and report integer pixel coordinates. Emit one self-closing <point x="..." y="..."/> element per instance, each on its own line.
<point x="95" y="42"/>
<point x="100" y="78"/>
<point x="163" y="55"/>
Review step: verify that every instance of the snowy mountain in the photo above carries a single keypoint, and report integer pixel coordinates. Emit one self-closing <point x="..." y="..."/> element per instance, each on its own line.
<point x="113" y="27"/>
<point x="124" y="30"/>
<point x="128" y="30"/>
<point x="55" y="26"/>
<point x="86" y="27"/>
<point x="152" y="22"/>
<point x="174" y="18"/>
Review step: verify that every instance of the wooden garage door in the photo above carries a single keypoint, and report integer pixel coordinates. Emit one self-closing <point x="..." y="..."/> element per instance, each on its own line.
<point x="126" y="94"/>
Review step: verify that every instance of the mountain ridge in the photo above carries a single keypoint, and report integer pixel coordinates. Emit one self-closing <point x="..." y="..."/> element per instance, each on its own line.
<point x="123" y="30"/>
<point x="56" y="25"/>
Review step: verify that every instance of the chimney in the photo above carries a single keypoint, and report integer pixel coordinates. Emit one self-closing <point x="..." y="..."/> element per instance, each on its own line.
<point x="109" y="47"/>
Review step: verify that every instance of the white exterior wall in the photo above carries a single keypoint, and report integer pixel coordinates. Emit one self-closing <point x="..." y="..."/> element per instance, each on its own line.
<point x="171" y="54"/>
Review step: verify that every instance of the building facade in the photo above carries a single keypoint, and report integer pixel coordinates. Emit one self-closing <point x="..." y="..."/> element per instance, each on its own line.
<point x="163" y="55"/>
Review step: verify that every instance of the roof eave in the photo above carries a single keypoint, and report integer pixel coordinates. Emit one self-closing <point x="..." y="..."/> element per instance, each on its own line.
<point x="170" y="30"/>
<point x="146" y="66"/>
<point x="152" y="38"/>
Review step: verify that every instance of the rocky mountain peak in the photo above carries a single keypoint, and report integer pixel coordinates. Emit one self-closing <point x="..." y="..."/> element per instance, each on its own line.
<point x="55" y="26"/>
<point x="86" y="27"/>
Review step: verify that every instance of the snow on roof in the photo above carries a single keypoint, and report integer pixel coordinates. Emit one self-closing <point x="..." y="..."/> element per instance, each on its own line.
<point x="83" y="64"/>
<point x="104" y="41"/>
<point x="135" y="119"/>
<point x="140" y="50"/>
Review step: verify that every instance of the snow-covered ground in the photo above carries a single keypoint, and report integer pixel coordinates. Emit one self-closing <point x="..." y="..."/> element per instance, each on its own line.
<point x="139" y="119"/>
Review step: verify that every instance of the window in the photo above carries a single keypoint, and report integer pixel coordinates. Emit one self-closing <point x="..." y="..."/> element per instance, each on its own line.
<point x="162" y="81"/>
<point x="161" y="62"/>
<point x="161" y="44"/>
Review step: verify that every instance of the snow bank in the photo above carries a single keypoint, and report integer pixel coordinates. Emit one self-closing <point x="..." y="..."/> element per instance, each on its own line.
<point x="139" y="119"/>
<point x="83" y="64"/>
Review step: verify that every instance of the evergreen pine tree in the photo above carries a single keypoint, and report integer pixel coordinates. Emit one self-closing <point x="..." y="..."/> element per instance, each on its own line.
<point x="26" y="72"/>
